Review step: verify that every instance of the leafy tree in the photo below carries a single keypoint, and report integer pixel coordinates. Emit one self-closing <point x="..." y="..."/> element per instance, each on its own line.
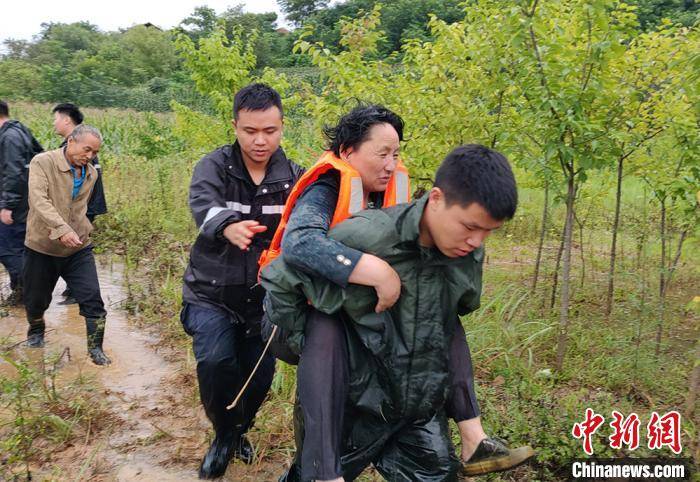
<point x="443" y="96"/>
<point x="652" y="12"/>
<point x="560" y="63"/>
<point x="58" y="42"/>
<point x="670" y="166"/>
<point x="650" y="100"/>
<point x="200" y="23"/>
<point x="218" y="66"/>
<point x="401" y="20"/>
<point x="16" y="49"/>
<point x="18" y="79"/>
<point x="561" y="87"/>
<point x="133" y="57"/>
<point x="298" y="11"/>
<point x="268" y="44"/>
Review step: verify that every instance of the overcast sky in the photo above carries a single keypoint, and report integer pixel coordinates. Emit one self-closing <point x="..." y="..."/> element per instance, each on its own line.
<point x="21" y="19"/>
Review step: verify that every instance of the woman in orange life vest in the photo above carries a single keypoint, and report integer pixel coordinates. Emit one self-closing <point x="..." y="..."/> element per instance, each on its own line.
<point x="361" y="169"/>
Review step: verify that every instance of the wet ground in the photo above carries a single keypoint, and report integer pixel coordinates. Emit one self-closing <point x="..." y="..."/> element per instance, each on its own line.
<point x="156" y="429"/>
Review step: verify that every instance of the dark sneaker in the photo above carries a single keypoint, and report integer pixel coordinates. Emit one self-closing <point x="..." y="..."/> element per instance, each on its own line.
<point x="98" y="356"/>
<point x="244" y="451"/>
<point x="493" y="455"/>
<point x="218" y="456"/>
<point x="36" y="340"/>
<point x="68" y="301"/>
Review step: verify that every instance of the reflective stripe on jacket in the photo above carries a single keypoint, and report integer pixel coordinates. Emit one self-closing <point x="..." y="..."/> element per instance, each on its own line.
<point x="222" y="193"/>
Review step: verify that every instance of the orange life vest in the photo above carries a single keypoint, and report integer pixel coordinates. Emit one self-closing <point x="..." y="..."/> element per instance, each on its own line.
<point x="350" y="196"/>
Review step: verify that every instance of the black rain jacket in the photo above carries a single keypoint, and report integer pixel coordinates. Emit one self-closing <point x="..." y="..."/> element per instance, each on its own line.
<point x="219" y="274"/>
<point x="17" y="148"/>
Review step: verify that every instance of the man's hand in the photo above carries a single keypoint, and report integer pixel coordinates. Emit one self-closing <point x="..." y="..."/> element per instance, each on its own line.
<point x="6" y="216"/>
<point x="375" y="272"/>
<point x="388" y="288"/>
<point x="70" y="240"/>
<point x="241" y="234"/>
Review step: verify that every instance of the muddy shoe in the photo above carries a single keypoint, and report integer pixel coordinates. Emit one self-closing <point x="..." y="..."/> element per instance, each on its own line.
<point x="35" y="340"/>
<point x="218" y="456"/>
<point x="244" y="451"/>
<point x="98" y="356"/>
<point x="68" y="301"/>
<point x="493" y="455"/>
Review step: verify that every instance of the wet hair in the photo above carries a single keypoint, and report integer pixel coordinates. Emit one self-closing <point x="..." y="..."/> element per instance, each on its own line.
<point x="256" y="97"/>
<point x="476" y="174"/>
<point x="71" y="110"/>
<point x="353" y="128"/>
<point x="84" y="129"/>
<point x="4" y="109"/>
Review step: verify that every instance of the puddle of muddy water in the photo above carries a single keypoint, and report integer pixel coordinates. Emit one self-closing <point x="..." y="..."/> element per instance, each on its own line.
<point x="132" y="383"/>
<point x="136" y="370"/>
<point x="161" y="430"/>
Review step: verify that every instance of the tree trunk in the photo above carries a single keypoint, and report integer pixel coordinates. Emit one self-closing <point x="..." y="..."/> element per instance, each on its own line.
<point x="583" y="255"/>
<point x="616" y="224"/>
<point x="674" y="264"/>
<point x="566" y="273"/>
<point x="555" y="275"/>
<point x="664" y="289"/>
<point x="641" y="243"/>
<point x="662" y="280"/>
<point x="662" y="267"/>
<point x="642" y="237"/>
<point x="543" y="231"/>
<point x="640" y="317"/>
<point x="694" y="385"/>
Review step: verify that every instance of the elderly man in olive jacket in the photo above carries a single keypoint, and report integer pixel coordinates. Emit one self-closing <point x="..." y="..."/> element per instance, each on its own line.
<point x="58" y="237"/>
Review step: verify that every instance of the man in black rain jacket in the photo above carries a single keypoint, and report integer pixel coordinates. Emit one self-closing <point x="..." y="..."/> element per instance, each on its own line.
<point x="237" y="195"/>
<point x="17" y="148"/>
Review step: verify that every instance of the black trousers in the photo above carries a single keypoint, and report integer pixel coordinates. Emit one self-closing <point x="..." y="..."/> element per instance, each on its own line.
<point x="41" y="272"/>
<point x="12" y="250"/>
<point x="322" y="384"/>
<point x="225" y="358"/>
<point x="402" y="450"/>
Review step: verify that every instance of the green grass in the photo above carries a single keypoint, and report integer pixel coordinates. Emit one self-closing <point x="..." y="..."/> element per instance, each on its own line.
<point x="38" y="411"/>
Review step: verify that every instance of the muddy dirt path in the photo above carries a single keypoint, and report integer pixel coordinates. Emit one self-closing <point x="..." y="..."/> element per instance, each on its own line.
<point x="157" y="429"/>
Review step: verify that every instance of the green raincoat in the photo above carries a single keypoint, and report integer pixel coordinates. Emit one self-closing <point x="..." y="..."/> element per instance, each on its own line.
<point x="398" y="359"/>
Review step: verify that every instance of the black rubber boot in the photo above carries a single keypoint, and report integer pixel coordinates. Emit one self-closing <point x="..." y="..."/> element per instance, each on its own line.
<point x="216" y="460"/>
<point x="35" y="333"/>
<point x="95" y="336"/>
<point x="244" y="450"/>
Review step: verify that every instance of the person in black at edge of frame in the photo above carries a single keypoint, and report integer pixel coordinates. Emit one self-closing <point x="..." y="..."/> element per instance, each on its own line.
<point x="17" y="148"/>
